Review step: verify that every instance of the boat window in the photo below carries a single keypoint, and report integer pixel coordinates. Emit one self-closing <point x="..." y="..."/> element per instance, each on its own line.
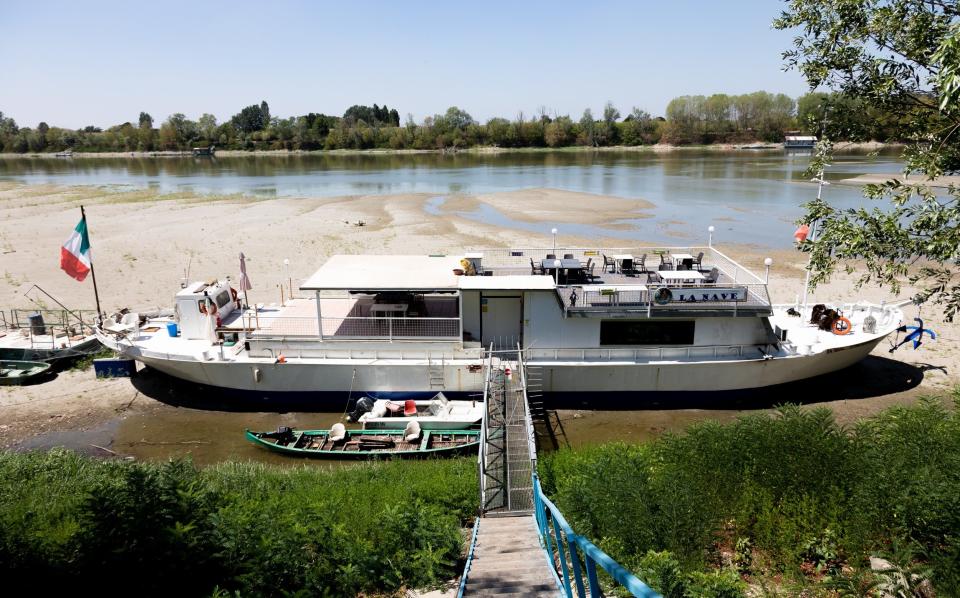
<point x="223" y="298"/>
<point x="619" y="332"/>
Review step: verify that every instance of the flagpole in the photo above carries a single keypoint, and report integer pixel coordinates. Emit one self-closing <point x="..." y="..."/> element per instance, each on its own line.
<point x="93" y="273"/>
<point x="813" y="233"/>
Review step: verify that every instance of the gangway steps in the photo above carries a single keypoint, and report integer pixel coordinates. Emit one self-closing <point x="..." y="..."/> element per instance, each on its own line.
<point x="508" y="560"/>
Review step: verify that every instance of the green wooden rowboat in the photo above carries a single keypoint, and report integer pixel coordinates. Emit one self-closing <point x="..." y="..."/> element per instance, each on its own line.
<point x="19" y="372"/>
<point x="367" y="444"/>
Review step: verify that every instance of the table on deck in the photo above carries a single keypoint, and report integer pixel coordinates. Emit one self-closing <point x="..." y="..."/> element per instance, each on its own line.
<point x="571" y="266"/>
<point x="387" y="309"/>
<point x="682" y="258"/>
<point x="620" y="258"/>
<point x="681" y="276"/>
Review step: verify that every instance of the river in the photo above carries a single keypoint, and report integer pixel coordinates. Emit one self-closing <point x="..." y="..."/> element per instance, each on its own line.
<point x="691" y="189"/>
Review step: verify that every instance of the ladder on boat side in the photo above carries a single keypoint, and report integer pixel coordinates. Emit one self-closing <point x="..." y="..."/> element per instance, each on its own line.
<point x="435" y="373"/>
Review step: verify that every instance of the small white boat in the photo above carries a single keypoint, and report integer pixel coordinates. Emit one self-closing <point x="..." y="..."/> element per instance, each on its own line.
<point x="438" y="413"/>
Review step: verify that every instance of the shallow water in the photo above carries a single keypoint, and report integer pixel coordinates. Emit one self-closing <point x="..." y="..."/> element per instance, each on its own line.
<point x="691" y="189"/>
<point x="171" y="420"/>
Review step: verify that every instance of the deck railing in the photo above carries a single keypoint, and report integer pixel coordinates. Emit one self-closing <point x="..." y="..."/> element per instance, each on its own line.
<point x="353" y="328"/>
<point x="575" y="556"/>
<point x="644" y="299"/>
<point x="754" y="351"/>
<point x="82" y="319"/>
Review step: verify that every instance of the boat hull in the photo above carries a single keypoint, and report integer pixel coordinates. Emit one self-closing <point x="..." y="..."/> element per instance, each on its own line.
<point x="15" y="373"/>
<point x="420" y="452"/>
<point x="55" y="357"/>
<point x="317" y="383"/>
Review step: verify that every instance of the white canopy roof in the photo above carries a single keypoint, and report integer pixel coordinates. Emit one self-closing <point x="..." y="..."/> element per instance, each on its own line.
<point x="523" y="282"/>
<point x="386" y="272"/>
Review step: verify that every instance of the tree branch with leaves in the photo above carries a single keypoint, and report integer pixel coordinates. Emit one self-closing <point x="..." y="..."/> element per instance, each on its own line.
<point x="902" y="57"/>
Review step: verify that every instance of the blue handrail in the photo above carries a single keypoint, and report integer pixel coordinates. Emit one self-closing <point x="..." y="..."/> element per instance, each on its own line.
<point x="466" y="566"/>
<point x="578" y="549"/>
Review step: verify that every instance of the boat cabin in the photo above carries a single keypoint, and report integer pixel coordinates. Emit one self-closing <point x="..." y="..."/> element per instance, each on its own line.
<point x="799" y="141"/>
<point x="198" y="299"/>
<point x="543" y="300"/>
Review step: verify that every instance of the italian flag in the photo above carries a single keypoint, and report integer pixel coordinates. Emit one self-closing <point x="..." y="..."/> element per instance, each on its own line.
<point x="75" y="253"/>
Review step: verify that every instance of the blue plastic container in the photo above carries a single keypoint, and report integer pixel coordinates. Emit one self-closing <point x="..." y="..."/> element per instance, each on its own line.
<point x="172" y="328"/>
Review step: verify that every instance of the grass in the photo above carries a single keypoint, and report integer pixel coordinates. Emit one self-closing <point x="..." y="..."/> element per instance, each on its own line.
<point x="86" y="362"/>
<point x="171" y="529"/>
<point x="792" y="500"/>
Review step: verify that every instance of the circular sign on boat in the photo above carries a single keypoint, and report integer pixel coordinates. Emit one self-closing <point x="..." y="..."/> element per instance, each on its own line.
<point x="663" y="296"/>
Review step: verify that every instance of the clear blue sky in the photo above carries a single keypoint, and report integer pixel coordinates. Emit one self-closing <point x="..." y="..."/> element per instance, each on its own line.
<point x="74" y="63"/>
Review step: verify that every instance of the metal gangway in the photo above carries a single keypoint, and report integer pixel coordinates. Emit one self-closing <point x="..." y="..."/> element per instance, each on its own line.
<point x="521" y="543"/>
<point x="508" y="452"/>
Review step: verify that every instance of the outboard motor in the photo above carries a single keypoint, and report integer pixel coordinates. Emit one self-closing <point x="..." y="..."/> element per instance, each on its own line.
<point x="870" y="324"/>
<point x="827" y="318"/>
<point x="816" y="312"/>
<point x="364" y="405"/>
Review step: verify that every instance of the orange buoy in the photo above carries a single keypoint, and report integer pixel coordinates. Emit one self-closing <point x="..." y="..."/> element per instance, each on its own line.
<point x="281" y="358"/>
<point x="842" y="326"/>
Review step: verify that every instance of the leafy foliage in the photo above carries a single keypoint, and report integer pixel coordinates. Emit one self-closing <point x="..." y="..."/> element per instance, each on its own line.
<point x="171" y="529"/>
<point x="792" y="495"/>
<point x="901" y="58"/>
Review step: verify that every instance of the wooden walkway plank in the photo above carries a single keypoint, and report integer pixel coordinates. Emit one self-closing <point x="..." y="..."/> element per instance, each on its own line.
<point x="508" y="560"/>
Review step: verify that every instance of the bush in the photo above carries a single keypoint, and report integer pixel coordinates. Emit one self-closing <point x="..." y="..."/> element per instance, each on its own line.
<point x="171" y="529"/>
<point x="791" y="493"/>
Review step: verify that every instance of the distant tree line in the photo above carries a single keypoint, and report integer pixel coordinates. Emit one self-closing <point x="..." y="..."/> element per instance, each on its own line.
<point x="719" y="118"/>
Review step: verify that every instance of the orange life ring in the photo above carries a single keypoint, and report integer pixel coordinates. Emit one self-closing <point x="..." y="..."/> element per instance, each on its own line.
<point x="841" y="326"/>
<point x="203" y="307"/>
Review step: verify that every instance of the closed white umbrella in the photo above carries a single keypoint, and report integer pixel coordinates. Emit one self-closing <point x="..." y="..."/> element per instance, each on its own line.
<point x="245" y="284"/>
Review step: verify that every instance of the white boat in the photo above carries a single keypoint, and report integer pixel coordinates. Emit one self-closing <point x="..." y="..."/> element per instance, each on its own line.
<point x="409" y="326"/>
<point x="438" y="413"/>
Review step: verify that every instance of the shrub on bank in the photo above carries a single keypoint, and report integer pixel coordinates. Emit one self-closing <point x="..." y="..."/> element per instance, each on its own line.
<point x="793" y="495"/>
<point x="171" y="529"/>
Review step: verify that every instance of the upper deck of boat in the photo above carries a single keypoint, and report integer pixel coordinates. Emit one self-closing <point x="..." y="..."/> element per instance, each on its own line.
<point x="651" y="281"/>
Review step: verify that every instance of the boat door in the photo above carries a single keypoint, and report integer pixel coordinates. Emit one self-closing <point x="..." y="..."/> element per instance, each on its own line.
<point x="501" y="321"/>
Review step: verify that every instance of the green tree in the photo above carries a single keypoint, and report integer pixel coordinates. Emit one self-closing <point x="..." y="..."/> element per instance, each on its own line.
<point x="588" y="128"/>
<point x="608" y="133"/>
<point x="559" y="133"/>
<point x="207" y="127"/>
<point x="250" y="119"/>
<point x="901" y="57"/>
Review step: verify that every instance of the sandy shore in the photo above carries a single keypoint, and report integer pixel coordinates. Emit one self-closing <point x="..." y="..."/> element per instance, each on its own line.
<point x="880" y="178"/>
<point x="554" y="206"/>
<point x="142" y="244"/>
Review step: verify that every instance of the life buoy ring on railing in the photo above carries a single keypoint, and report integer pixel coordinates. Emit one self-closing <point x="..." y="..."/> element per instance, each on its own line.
<point x="841" y="326"/>
<point x="236" y="299"/>
<point x="203" y="307"/>
<point x="662" y="296"/>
